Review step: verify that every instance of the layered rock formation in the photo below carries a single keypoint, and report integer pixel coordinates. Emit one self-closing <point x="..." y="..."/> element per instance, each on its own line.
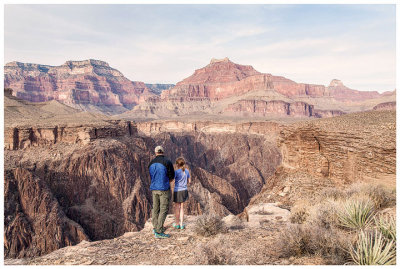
<point x="223" y="87"/>
<point x="333" y="152"/>
<point x="76" y="83"/>
<point x="90" y="181"/>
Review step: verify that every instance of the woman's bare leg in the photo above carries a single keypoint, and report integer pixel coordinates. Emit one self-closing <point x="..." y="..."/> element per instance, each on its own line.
<point x="177" y="209"/>
<point x="181" y="209"/>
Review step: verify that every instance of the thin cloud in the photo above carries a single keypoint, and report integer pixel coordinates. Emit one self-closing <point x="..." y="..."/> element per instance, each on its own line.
<point x="166" y="43"/>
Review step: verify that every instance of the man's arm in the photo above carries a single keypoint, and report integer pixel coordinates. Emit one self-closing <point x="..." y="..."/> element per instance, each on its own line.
<point x="170" y="171"/>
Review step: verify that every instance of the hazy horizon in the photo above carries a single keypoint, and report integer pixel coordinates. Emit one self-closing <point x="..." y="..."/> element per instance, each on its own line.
<point x="166" y="43"/>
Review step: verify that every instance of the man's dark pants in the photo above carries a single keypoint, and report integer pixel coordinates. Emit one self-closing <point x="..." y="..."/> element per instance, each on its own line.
<point x="160" y="209"/>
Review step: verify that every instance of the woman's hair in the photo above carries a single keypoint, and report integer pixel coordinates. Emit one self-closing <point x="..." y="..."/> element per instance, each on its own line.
<point x="180" y="162"/>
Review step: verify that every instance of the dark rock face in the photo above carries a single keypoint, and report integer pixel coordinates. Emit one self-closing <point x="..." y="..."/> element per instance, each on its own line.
<point x="34" y="222"/>
<point x="99" y="189"/>
<point x="158" y="88"/>
<point x="385" y="106"/>
<point x="74" y="83"/>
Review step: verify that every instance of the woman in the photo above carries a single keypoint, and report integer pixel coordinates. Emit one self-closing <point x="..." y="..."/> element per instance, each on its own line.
<point x="182" y="179"/>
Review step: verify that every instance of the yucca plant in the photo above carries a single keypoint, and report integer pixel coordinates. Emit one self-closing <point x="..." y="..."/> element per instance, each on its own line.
<point x="356" y="213"/>
<point x="387" y="226"/>
<point x="373" y="249"/>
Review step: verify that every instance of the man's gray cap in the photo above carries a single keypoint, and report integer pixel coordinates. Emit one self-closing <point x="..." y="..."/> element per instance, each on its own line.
<point x="159" y="149"/>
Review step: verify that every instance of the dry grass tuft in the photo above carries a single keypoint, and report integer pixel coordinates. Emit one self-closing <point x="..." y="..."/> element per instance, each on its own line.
<point x="214" y="253"/>
<point x="299" y="212"/>
<point x="306" y="239"/>
<point x="379" y="194"/>
<point x="324" y="214"/>
<point x="209" y="225"/>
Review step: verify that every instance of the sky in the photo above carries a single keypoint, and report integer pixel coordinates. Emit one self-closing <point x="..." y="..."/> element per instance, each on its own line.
<point x="167" y="43"/>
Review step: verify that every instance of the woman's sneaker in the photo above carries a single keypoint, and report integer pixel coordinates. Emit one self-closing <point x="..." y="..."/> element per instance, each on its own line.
<point x="162" y="235"/>
<point x="182" y="226"/>
<point x="176" y="226"/>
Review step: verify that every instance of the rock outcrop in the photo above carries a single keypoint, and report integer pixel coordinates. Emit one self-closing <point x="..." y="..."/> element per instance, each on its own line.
<point x="333" y="152"/>
<point x="223" y="87"/>
<point x="158" y="88"/>
<point x="75" y="83"/>
<point x="385" y="106"/>
<point x="96" y="176"/>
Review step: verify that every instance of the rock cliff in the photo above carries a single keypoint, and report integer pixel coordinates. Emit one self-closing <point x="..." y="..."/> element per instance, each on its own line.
<point x="76" y="83"/>
<point x="223" y="87"/>
<point x="95" y="179"/>
<point x="333" y="152"/>
<point x="385" y="106"/>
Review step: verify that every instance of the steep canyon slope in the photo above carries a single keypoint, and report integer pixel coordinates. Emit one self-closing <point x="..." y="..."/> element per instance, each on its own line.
<point x="89" y="181"/>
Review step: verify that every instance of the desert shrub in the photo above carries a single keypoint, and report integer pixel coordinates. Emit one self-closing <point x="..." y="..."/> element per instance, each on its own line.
<point x="332" y="193"/>
<point x="306" y="239"/>
<point x="299" y="212"/>
<point x="372" y="248"/>
<point x="324" y="214"/>
<point x="209" y="225"/>
<point x="214" y="253"/>
<point x="387" y="226"/>
<point x="379" y="194"/>
<point x="356" y="213"/>
<point x="263" y="212"/>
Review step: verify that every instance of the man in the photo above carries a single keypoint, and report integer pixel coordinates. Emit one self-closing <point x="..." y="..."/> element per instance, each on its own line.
<point x="161" y="173"/>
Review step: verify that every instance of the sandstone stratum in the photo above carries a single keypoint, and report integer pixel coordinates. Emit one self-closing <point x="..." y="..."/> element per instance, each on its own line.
<point x="88" y="85"/>
<point x="77" y="186"/>
<point x="229" y="90"/>
<point x="222" y="89"/>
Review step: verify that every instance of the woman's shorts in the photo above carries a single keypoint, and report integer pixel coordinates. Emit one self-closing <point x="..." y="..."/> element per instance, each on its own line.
<point x="181" y="196"/>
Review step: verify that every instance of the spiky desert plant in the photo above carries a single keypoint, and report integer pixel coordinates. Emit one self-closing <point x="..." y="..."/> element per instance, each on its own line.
<point x="373" y="249"/>
<point x="387" y="226"/>
<point x="356" y="213"/>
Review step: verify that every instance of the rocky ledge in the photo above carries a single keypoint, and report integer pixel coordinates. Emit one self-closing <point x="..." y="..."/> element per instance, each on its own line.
<point x="249" y="240"/>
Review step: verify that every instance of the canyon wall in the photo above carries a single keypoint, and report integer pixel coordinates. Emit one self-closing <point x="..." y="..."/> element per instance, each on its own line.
<point x="335" y="152"/>
<point x="74" y="83"/>
<point x="97" y="184"/>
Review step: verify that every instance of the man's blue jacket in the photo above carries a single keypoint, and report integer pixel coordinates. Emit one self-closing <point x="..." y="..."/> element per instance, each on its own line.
<point x="161" y="172"/>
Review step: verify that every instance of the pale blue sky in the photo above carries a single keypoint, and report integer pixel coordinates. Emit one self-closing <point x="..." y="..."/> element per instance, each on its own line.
<point x="166" y="43"/>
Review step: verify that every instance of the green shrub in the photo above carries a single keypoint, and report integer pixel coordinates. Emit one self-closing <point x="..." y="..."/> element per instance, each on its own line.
<point x="356" y="213"/>
<point x="387" y="226"/>
<point x="373" y="249"/>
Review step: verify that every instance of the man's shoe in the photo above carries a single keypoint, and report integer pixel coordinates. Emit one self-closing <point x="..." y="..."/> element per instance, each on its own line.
<point x="154" y="230"/>
<point x="162" y="235"/>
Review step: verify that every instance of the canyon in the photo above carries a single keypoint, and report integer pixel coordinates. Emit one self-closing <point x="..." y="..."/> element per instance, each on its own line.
<point x="224" y="88"/>
<point x="88" y="85"/>
<point x="220" y="89"/>
<point x="78" y="139"/>
<point x="67" y="182"/>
